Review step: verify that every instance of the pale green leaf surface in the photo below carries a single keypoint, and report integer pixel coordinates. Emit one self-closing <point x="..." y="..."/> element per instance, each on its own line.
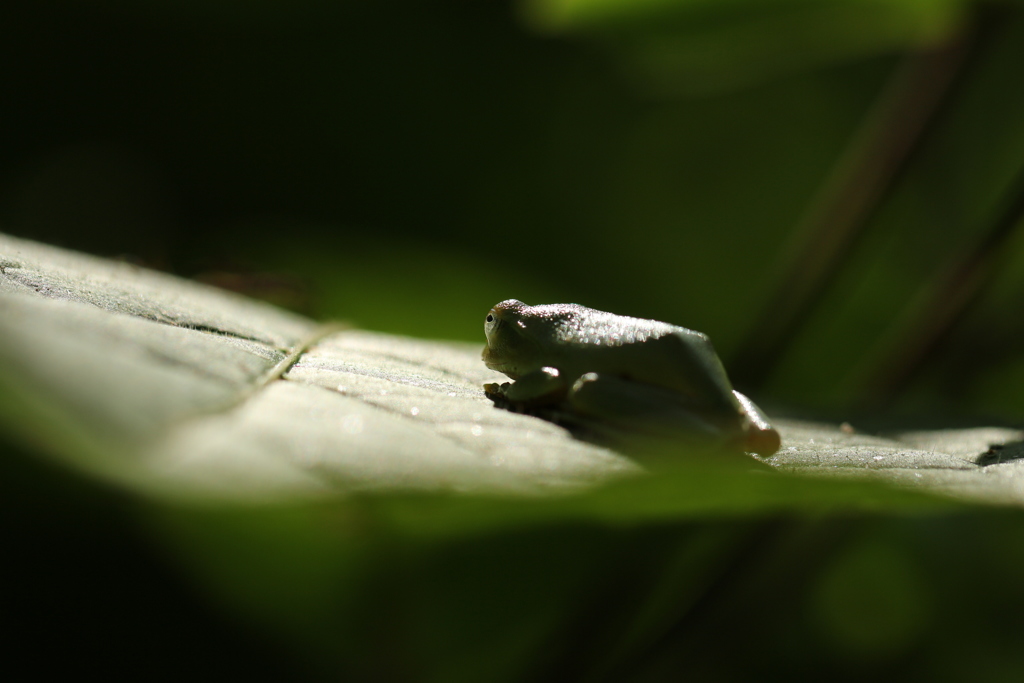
<point x="124" y="288"/>
<point x="981" y="464"/>
<point x="171" y="386"/>
<point x="163" y="379"/>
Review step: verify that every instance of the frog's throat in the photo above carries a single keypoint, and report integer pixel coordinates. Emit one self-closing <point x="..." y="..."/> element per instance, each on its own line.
<point x="499" y="363"/>
<point x="490" y="360"/>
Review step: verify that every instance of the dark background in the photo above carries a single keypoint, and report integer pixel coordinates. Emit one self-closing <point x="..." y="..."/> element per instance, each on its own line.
<point x="830" y="190"/>
<point x="405" y="165"/>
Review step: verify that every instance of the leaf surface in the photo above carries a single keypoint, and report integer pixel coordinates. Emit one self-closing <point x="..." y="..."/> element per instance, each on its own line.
<point x="188" y="389"/>
<point x="176" y="387"/>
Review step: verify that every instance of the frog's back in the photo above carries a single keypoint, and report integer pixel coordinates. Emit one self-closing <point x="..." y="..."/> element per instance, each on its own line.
<point x="650" y="351"/>
<point x="577" y="327"/>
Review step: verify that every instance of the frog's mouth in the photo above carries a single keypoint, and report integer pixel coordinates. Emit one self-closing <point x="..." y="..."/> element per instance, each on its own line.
<point x="498" y="355"/>
<point x="496" y="360"/>
<point x="490" y="360"/>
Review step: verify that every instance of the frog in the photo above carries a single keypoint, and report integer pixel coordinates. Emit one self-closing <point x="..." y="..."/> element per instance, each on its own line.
<point x="619" y="370"/>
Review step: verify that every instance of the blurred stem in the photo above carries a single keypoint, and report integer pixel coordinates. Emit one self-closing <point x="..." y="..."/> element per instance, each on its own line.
<point x="781" y="556"/>
<point x="945" y="301"/>
<point x="828" y="231"/>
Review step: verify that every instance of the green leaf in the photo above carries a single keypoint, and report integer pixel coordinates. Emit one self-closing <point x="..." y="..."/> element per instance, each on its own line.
<point x="352" y="494"/>
<point x="702" y="45"/>
<point x="175" y="388"/>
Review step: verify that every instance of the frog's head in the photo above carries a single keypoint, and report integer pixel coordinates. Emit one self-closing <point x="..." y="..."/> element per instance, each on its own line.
<point x="512" y="347"/>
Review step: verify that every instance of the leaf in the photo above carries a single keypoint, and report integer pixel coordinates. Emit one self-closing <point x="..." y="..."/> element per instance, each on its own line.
<point x="696" y="45"/>
<point x="179" y="389"/>
<point x="174" y="386"/>
<point x="975" y="464"/>
<point x="206" y="406"/>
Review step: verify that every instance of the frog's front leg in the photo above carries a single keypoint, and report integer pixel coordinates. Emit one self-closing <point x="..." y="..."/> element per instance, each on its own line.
<point x="542" y="387"/>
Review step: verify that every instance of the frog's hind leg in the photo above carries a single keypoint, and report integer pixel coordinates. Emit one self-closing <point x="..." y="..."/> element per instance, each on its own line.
<point x="638" y="407"/>
<point x="760" y="437"/>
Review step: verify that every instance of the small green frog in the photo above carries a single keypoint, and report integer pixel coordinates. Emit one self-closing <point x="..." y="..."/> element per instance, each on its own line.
<point x="620" y="370"/>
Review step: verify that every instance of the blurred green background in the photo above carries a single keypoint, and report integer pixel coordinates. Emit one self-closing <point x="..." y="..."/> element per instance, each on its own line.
<point x="830" y="189"/>
<point x="405" y="165"/>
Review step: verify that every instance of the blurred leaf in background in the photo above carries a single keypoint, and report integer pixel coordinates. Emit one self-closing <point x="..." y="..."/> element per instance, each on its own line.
<point x="694" y="46"/>
<point x="451" y="144"/>
<point x="829" y="189"/>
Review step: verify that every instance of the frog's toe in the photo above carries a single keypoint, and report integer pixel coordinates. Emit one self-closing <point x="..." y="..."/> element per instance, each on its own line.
<point x="581" y="384"/>
<point x="764" y="442"/>
<point x="492" y="389"/>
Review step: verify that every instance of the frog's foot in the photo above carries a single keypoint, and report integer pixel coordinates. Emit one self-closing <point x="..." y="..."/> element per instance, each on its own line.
<point x="762" y="442"/>
<point x="496" y="392"/>
<point x="759" y="436"/>
<point x="641" y="408"/>
<point x="541" y="388"/>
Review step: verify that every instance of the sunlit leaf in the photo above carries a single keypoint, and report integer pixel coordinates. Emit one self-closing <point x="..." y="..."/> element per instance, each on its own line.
<point x="330" y="486"/>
